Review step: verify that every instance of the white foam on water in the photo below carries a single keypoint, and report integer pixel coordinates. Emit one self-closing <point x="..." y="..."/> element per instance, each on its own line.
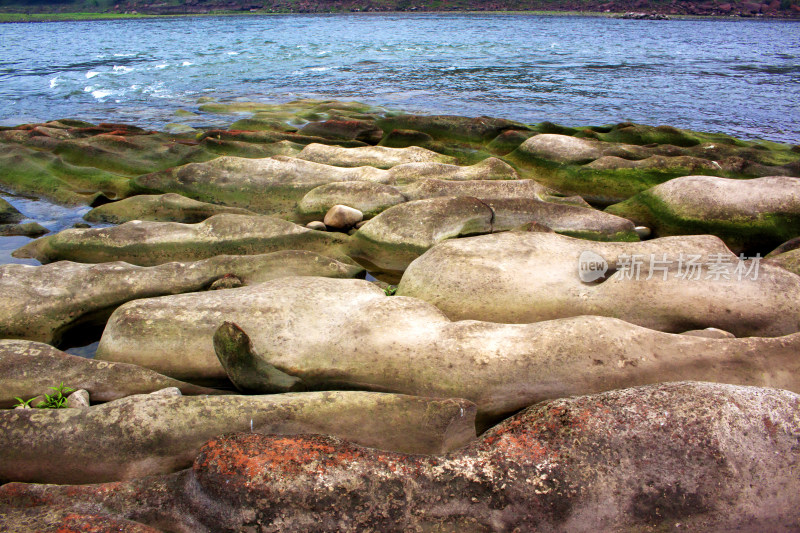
<point x="101" y="93"/>
<point x="92" y="74"/>
<point x="187" y="64"/>
<point x="162" y="65"/>
<point x="54" y="82"/>
<point x="122" y="69"/>
<point x="319" y="69"/>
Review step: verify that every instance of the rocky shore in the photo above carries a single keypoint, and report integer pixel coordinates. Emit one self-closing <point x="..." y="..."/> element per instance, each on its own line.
<point x="335" y="317"/>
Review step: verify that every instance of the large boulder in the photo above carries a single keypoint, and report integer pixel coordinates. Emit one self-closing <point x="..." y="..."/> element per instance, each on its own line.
<point x="9" y="214"/>
<point x="676" y="456"/>
<point x="452" y="128"/>
<point x="29" y="369"/>
<point x="366" y="339"/>
<point x="159" y="208"/>
<point x="373" y="156"/>
<point x="368" y="197"/>
<point x="154" y="243"/>
<point x="269" y="186"/>
<point x="574" y="150"/>
<point x="144" y="435"/>
<point x="749" y="215"/>
<point x="43" y="303"/>
<point x="391" y="240"/>
<point x="670" y="284"/>
<point x="489" y="169"/>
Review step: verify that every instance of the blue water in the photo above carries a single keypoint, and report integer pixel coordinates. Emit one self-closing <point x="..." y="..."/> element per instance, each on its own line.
<point x="735" y="76"/>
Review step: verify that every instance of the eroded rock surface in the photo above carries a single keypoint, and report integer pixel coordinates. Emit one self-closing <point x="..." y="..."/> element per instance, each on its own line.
<point x="392" y="240"/>
<point x="694" y="282"/>
<point x="43" y="303"/>
<point x="169" y="207"/>
<point x="400" y="344"/>
<point x="154" y="434"/>
<point x="29" y="369"/>
<point x="372" y="156"/>
<point x="749" y="215"/>
<point x="694" y="456"/>
<point x="154" y="243"/>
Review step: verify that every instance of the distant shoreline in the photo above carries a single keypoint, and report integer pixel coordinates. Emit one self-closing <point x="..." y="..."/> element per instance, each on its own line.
<point x="20" y="18"/>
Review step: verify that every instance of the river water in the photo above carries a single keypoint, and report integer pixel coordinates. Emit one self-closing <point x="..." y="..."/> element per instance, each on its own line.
<point x="735" y="76"/>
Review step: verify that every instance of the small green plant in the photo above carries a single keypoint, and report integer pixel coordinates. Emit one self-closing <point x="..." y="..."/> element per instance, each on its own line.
<point x="56" y="400"/>
<point x="23" y="403"/>
<point x="390" y="290"/>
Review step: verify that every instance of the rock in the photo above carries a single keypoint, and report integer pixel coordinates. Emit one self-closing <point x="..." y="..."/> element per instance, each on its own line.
<point x="489" y="169"/>
<point x="711" y="333"/>
<point x="228" y="281"/>
<point x="372" y="156"/>
<point x="155" y="243"/>
<point x="359" y="130"/>
<point x="81" y="225"/>
<point x="406" y="138"/>
<point x="28" y="369"/>
<point x="401" y="344"/>
<point x="47" y="520"/>
<point x="693" y="456"/>
<point x="391" y="240"/>
<point x="574" y="150"/>
<point x="696" y="282"/>
<point x="78" y="399"/>
<point x="483" y="189"/>
<point x="269" y="186"/>
<point x="9" y="214"/>
<point x="160" y="208"/>
<point x="643" y="232"/>
<point x="452" y="128"/>
<point x="29" y="229"/>
<point x="360" y="224"/>
<point x="368" y="197"/>
<point x="786" y="256"/>
<point x="749" y="215"/>
<point x="168" y="392"/>
<point x="342" y="217"/>
<point x="154" y="434"/>
<point x="275" y="185"/>
<point x="44" y="303"/>
<point x="317" y="225"/>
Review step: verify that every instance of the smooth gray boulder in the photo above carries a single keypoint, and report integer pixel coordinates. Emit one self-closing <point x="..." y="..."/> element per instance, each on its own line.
<point x="392" y="240"/>
<point x="148" y="434"/>
<point x="342" y="217"/>
<point x="668" y="457"/>
<point x="373" y="156"/>
<point x="575" y="150"/>
<point x="695" y="282"/>
<point x="29" y="369"/>
<point x="155" y="243"/>
<point x="748" y="214"/>
<point x="496" y="189"/>
<point x="368" y="197"/>
<point x="43" y="303"/>
<point x="399" y="344"/>
<point x="169" y="207"/>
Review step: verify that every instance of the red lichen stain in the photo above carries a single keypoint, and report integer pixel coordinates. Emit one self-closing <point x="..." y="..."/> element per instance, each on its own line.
<point x="91" y="523"/>
<point x="23" y="495"/>
<point x="771" y="427"/>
